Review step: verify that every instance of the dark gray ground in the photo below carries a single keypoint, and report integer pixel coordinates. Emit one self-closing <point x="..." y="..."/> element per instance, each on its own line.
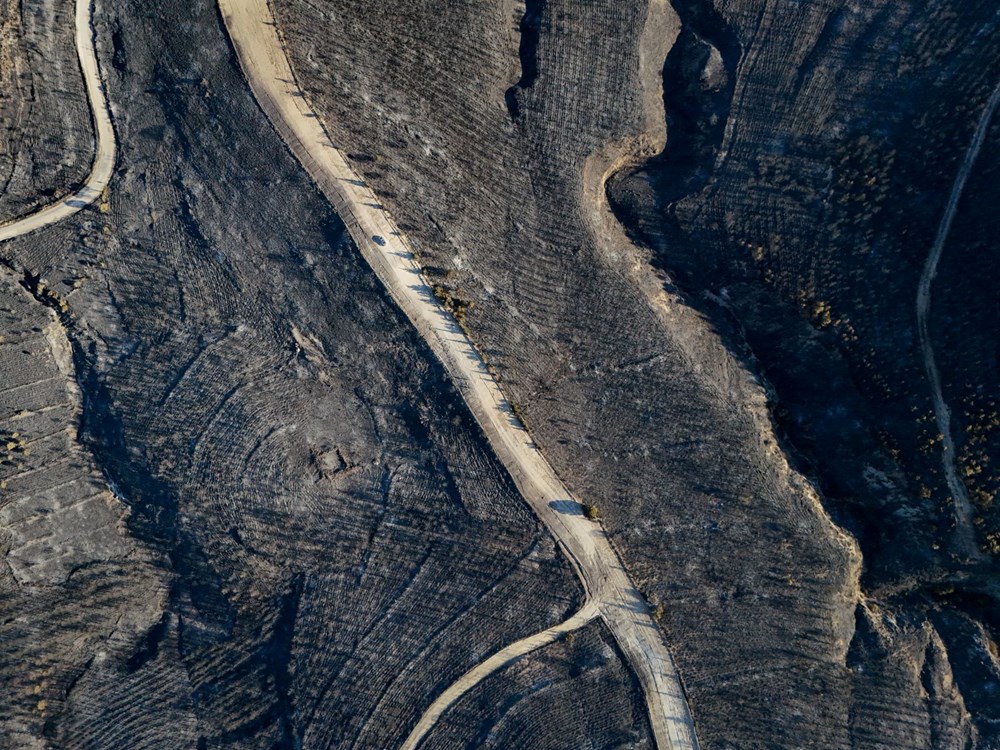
<point x="76" y="591"/>
<point x="244" y="508"/>
<point x="810" y="216"/>
<point x="309" y="539"/>
<point x="46" y="144"/>
<point x="575" y="693"/>
<point x="489" y="129"/>
<point x="822" y="205"/>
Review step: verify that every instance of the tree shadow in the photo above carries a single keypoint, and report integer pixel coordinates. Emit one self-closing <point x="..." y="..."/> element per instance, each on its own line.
<point x="567" y="507"/>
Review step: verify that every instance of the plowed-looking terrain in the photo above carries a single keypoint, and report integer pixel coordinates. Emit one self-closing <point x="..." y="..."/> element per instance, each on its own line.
<point x="622" y="607"/>
<point x="942" y="414"/>
<point x="104" y="159"/>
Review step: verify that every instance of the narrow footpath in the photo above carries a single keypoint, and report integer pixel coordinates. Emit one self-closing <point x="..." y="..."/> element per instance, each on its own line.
<point x="609" y="590"/>
<point x="942" y="414"/>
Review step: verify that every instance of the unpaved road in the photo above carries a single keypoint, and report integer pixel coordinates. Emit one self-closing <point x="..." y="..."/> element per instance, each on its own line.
<point x="499" y="660"/>
<point x="942" y="414"/>
<point x="104" y="159"/>
<point x="609" y="590"/>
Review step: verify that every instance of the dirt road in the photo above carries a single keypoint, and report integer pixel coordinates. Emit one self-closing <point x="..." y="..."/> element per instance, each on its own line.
<point x="498" y="661"/>
<point x="104" y="159"/>
<point x="942" y="414"/>
<point x="609" y="589"/>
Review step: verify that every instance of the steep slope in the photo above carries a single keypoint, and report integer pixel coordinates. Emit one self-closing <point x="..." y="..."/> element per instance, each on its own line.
<point x="46" y="141"/>
<point x="498" y="176"/>
<point x="76" y="591"/>
<point x="337" y="543"/>
<point x="807" y="207"/>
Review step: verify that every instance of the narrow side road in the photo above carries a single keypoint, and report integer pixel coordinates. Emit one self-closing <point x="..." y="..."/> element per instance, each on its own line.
<point x="498" y="661"/>
<point x="942" y="414"/>
<point x="104" y="158"/>
<point x="609" y="590"/>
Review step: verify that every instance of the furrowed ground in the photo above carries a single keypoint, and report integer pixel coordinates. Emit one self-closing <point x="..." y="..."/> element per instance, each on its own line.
<point x="487" y="131"/>
<point x="76" y="590"/>
<point x="244" y="508"/>
<point x="556" y="697"/>
<point x="332" y="542"/>
<point x="814" y="151"/>
<point x="46" y="142"/>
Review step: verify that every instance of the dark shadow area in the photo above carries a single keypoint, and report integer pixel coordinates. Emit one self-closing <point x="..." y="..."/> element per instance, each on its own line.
<point x="567" y="507"/>
<point x="530" y="29"/>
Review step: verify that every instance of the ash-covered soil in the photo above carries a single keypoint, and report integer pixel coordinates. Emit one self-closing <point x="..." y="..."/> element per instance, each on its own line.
<point x="576" y="692"/>
<point x="674" y="396"/>
<point x="77" y="592"/>
<point x="242" y="507"/>
<point x="308" y="538"/>
<point x="808" y="218"/>
<point x="797" y="202"/>
<point x="46" y="138"/>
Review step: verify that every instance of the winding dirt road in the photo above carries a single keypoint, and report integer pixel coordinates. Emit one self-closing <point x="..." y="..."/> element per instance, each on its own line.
<point x="508" y="655"/>
<point x="942" y="414"/>
<point x="104" y="158"/>
<point x="610" y="593"/>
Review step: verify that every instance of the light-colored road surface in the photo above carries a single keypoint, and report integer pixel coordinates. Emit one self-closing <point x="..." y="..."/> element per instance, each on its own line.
<point x="942" y="414"/>
<point x="609" y="590"/>
<point x="499" y="660"/>
<point x="104" y="159"/>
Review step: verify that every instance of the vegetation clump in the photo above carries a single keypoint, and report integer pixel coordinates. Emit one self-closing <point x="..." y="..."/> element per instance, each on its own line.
<point x="455" y="305"/>
<point x="591" y="511"/>
<point x="12" y="447"/>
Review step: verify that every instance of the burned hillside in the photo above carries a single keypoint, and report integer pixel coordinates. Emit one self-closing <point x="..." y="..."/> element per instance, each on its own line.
<point x="725" y="267"/>
<point x="46" y="142"/>
<point x="328" y="538"/>
<point x="493" y="133"/>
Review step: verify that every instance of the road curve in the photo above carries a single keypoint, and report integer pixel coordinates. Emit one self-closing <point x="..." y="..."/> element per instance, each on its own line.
<point x="609" y="589"/>
<point x="942" y="414"/>
<point x="499" y="660"/>
<point x="104" y="158"/>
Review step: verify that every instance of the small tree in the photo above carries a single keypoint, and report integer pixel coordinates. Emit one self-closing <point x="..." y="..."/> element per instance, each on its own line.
<point x="591" y="511"/>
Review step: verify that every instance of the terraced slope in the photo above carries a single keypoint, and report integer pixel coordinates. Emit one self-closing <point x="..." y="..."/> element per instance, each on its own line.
<point x="337" y="543"/>
<point x="497" y="178"/>
<point x="820" y="156"/>
<point x="610" y="593"/>
<point x="76" y="589"/>
<point x="557" y="697"/>
<point x="94" y="186"/>
<point x="279" y="526"/>
<point x="854" y="168"/>
<point x="510" y="654"/>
